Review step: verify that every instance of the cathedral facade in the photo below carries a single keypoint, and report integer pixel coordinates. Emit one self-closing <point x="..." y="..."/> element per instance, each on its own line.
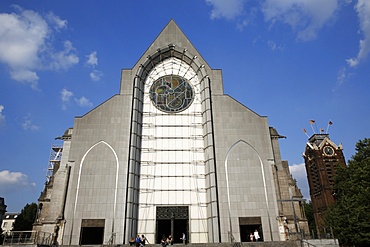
<point x="171" y="154"/>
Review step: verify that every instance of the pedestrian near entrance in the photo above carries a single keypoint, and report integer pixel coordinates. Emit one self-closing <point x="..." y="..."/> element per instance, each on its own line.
<point x="251" y="236"/>
<point x="164" y="241"/>
<point x="183" y="238"/>
<point x="144" y="240"/>
<point x="256" y="235"/>
<point x="138" y="241"/>
<point x="132" y="241"/>
<point x="170" y="240"/>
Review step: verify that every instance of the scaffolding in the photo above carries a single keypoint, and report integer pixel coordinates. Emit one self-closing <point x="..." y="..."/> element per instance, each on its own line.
<point x="54" y="161"/>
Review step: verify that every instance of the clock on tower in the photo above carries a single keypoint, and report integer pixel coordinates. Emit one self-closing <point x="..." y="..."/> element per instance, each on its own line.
<point x="322" y="157"/>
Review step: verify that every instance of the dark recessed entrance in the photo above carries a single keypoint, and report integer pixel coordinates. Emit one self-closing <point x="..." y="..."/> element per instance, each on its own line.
<point x="92" y="232"/>
<point x="248" y="225"/>
<point x="172" y="221"/>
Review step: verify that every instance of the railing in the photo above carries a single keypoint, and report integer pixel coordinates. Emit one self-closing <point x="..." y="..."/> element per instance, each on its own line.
<point x="232" y="239"/>
<point x="111" y="240"/>
<point x="28" y="237"/>
<point x="305" y="243"/>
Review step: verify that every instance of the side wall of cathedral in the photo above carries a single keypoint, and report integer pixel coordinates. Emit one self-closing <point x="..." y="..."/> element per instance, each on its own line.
<point x="98" y="180"/>
<point x="250" y="190"/>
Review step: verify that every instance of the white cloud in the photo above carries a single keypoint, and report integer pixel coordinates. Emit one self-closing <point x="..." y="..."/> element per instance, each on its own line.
<point x="64" y="59"/>
<point x="25" y="45"/>
<point x="95" y="75"/>
<point x="341" y="78"/>
<point x="92" y="59"/>
<point x="65" y="96"/>
<point x="246" y="19"/>
<point x="11" y="182"/>
<point x="226" y="9"/>
<point x="299" y="173"/>
<point x="25" y="75"/>
<point x="83" y="102"/>
<point x="305" y="17"/>
<point x="22" y="36"/>
<point x="2" y="117"/>
<point x="241" y="25"/>
<point x="28" y="123"/>
<point x="59" y="23"/>
<point x="363" y="11"/>
<point x="273" y="46"/>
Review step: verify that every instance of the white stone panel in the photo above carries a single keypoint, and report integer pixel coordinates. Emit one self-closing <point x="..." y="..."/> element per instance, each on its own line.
<point x="173" y="156"/>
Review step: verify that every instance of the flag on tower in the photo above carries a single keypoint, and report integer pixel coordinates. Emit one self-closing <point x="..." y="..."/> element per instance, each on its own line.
<point x="305" y="132"/>
<point x="329" y="124"/>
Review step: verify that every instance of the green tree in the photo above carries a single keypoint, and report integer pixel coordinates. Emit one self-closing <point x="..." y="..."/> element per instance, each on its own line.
<point x="308" y="210"/>
<point x="350" y="215"/>
<point x="26" y="218"/>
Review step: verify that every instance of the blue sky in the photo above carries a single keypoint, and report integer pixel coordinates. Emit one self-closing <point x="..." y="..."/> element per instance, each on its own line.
<point x="290" y="60"/>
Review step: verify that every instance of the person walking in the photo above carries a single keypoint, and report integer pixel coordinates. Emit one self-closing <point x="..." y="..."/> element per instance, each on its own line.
<point x="144" y="240"/>
<point x="256" y="235"/>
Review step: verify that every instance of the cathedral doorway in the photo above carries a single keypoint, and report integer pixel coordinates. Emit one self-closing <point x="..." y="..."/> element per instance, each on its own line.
<point x="248" y="225"/>
<point x="172" y="221"/>
<point x="92" y="232"/>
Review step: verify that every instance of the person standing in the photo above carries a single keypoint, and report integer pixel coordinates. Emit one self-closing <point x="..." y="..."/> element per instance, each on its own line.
<point x="138" y="241"/>
<point x="251" y="236"/>
<point x="256" y="235"/>
<point x="183" y="238"/>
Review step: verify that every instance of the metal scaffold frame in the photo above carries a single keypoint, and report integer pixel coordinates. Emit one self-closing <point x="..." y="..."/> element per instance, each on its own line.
<point x="54" y="161"/>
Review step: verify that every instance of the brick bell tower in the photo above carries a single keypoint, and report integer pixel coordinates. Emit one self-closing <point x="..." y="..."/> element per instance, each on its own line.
<point x="322" y="158"/>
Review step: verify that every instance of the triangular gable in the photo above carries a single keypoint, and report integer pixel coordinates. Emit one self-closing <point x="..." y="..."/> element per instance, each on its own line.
<point x="326" y="142"/>
<point x="171" y="35"/>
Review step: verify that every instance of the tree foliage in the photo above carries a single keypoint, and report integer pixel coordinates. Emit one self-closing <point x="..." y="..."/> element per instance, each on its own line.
<point x="350" y="215"/>
<point x="26" y="218"/>
<point x="308" y="210"/>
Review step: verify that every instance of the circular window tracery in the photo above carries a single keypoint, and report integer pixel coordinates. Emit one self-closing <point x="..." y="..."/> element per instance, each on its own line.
<point x="171" y="93"/>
